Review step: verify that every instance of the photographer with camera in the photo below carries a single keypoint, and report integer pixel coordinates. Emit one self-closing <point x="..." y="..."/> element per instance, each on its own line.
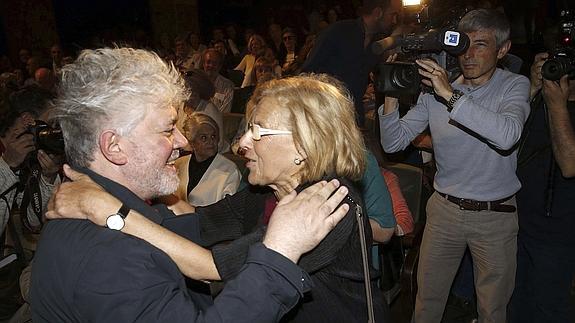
<point x="20" y="153"/>
<point x="546" y="167"/>
<point x="475" y="123"/>
<point x="25" y="193"/>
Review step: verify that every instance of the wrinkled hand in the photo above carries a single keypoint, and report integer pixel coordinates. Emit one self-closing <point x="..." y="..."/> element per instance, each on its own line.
<point x="18" y="145"/>
<point x="536" y="77"/>
<point x="436" y="77"/>
<point x="556" y="93"/>
<point x="300" y="222"/>
<point x="81" y="199"/>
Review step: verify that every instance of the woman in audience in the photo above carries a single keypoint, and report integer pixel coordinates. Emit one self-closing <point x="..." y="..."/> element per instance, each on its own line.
<point x="205" y="176"/>
<point x="201" y="91"/>
<point x="300" y="130"/>
<point x="401" y="211"/>
<point x="256" y="48"/>
<point x="270" y="56"/>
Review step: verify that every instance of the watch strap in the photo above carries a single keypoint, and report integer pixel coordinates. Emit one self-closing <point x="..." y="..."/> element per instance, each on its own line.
<point x="454" y="97"/>
<point x="123" y="211"/>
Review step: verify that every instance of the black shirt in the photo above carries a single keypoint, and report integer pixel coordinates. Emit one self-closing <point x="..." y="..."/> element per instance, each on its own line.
<point x="86" y="273"/>
<point x="339" y="51"/>
<point x="546" y="201"/>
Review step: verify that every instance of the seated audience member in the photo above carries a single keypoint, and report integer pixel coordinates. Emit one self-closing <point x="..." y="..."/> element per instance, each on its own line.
<point x="205" y="176"/>
<point x="224" y="88"/>
<point x="184" y="59"/>
<point x="296" y="66"/>
<point x="275" y="39"/>
<point x="248" y="33"/>
<point x="256" y="48"/>
<point x="231" y="47"/>
<point x="32" y="65"/>
<point x="271" y="57"/>
<point x="290" y="43"/>
<point x="401" y="211"/>
<point x="196" y="49"/>
<point x="201" y="91"/>
<point x="300" y="130"/>
<point x="45" y="79"/>
<point x="228" y="61"/>
<point x="232" y="36"/>
<point x="86" y="273"/>
<point x="378" y="201"/>
<point x="263" y="71"/>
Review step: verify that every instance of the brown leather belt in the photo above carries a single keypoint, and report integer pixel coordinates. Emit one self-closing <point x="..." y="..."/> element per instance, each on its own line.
<point x="473" y="205"/>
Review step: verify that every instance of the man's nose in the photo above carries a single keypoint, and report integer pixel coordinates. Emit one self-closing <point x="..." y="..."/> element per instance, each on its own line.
<point x="179" y="140"/>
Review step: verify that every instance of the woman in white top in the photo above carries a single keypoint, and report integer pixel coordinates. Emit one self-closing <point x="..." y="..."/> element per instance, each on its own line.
<point x="201" y="91"/>
<point x="256" y="48"/>
<point x="205" y="176"/>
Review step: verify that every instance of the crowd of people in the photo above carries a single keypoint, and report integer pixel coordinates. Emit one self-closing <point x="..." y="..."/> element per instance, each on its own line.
<point x="158" y="211"/>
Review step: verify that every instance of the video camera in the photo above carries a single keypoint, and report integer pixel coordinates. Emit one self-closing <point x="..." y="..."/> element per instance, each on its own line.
<point x="46" y="138"/>
<point x="563" y="57"/>
<point x="441" y="42"/>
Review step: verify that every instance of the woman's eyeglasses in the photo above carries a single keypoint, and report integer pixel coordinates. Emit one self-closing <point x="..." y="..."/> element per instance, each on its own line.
<point x="258" y="132"/>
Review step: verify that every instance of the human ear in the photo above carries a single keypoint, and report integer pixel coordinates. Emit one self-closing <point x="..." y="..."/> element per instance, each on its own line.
<point x="111" y="147"/>
<point x="503" y="49"/>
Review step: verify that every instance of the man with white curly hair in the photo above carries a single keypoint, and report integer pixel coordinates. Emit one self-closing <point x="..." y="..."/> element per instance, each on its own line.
<point x="117" y="110"/>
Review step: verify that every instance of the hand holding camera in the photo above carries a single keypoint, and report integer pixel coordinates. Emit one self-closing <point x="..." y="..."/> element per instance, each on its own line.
<point x="18" y="143"/>
<point x="435" y="76"/>
<point x="556" y="93"/>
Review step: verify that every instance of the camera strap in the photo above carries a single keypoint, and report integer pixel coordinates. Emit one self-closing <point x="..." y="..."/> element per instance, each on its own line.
<point x="32" y="196"/>
<point x="19" y="250"/>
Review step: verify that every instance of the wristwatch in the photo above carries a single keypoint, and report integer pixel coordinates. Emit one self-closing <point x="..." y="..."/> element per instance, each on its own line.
<point x="454" y="97"/>
<point x="116" y="220"/>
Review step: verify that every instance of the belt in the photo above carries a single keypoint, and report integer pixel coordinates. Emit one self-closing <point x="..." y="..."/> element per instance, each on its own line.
<point x="473" y="205"/>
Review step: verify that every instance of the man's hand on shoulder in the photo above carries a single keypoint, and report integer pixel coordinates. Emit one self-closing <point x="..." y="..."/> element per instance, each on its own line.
<point x="81" y="198"/>
<point x="301" y="221"/>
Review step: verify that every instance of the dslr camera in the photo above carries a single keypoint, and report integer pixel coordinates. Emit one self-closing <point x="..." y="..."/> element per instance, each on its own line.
<point x="562" y="61"/>
<point x="441" y="42"/>
<point x="46" y="137"/>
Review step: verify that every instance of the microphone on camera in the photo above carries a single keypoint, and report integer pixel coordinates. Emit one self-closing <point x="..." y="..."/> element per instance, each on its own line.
<point x="451" y="41"/>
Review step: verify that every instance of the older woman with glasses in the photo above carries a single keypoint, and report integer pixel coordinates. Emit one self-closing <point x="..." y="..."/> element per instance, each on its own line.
<point x="205" y="176"/>
<point x="301" y="130"/>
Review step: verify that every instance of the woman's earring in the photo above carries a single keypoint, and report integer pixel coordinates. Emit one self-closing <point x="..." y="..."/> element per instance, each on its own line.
<point x="297" y="161"/>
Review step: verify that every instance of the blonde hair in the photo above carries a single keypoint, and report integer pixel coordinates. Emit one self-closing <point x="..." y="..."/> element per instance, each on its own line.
<point x="322" y="122"/>
<point x="253" y="38"/>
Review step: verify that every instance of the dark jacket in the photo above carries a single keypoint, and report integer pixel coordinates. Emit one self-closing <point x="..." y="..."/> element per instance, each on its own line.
<point x="339" y="51"/>
<point x="86" y="273"/>
<point x="335" y="265"/>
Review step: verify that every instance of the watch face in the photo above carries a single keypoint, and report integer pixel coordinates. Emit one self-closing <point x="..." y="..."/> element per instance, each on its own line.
<point x="115" y="222"/>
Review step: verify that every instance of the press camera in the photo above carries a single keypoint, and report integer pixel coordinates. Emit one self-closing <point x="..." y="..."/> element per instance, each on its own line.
<point x="46" y="137"/>
<point x="441" y="41"/>
<point x="562" y="60"/>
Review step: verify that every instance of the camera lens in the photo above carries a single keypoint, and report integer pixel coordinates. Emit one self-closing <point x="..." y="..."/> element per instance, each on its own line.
<point x="405" y="76"/>
<point x="555" y="68"/>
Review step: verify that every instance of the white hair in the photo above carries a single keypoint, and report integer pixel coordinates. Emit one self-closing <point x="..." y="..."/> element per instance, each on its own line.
<point x="111" y="88"/>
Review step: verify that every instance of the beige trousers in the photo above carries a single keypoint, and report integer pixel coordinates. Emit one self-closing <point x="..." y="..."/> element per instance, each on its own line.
<point x="492" y="240"/>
